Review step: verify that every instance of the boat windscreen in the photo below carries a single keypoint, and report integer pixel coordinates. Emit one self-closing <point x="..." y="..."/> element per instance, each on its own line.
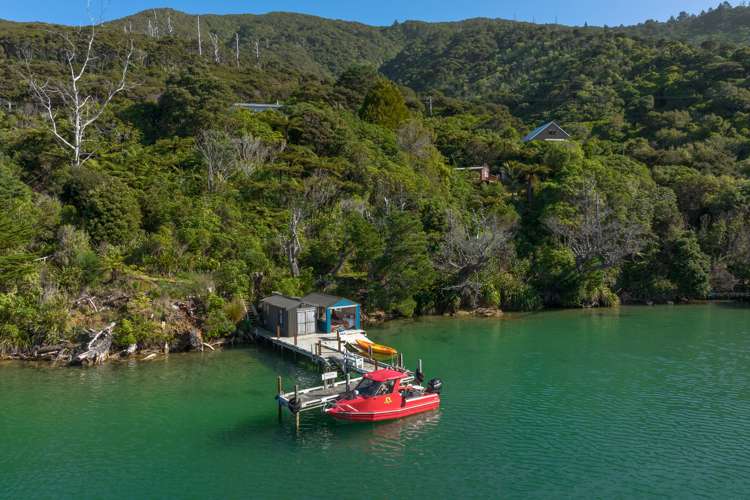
<point x="368" y="387"/>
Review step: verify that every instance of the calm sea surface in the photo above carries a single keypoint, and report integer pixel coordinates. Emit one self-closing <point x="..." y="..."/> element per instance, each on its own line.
<point x="629" y="402"/>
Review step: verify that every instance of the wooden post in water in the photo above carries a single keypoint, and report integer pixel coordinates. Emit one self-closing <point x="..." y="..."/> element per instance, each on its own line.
<point x="295" y="336"/>
<point x="401" y="360"/>
<point x="279" y="391"/>
<point x="348" y="382"/>
<point x="320" y="348"/>
<point x="296" y="415"/>
<point x="338" y="338"/>
<point x="278" y="332"/>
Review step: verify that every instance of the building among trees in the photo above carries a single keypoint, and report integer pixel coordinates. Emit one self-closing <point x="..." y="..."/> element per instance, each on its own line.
<point x="313" y="313"/>
<point x="548" y="132"/>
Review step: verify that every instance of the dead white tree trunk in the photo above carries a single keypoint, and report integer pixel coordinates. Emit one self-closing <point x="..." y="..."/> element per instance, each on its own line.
<point x="64" y="99"/>
<point x="293" y="245"/>
<point x="318" y="192"/>
<point x="257" y="52"/>
<point x="97" y="349"/>
<point x="156" y="24"/>
<point x="215" y="43"/>
<point x="170" y="28"/>
<point x="237" y="49"/>
<point x="200" y="45"/>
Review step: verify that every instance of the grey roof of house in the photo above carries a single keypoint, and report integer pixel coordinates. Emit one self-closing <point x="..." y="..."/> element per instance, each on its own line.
<point x="282" y="301"/>
<point x="257" y="106"/>
<point x="320" y="299"/>
<point x="542" y="128"/>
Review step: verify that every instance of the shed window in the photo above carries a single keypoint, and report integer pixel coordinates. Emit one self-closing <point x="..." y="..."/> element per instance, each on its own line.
<point x="281" y="317"/>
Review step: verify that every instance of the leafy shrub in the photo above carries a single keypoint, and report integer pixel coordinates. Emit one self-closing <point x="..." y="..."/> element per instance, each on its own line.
<point x="112" y="214"/>
<point x="384" y="105"/>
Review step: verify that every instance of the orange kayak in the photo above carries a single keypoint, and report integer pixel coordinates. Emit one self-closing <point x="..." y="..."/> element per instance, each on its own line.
<point x="376" y="348"/>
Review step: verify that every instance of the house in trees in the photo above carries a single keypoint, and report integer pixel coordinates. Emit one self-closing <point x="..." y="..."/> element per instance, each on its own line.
<point x="548" y="132"/>
<point x="256" y="107"/>
<point x="483" y="173"/>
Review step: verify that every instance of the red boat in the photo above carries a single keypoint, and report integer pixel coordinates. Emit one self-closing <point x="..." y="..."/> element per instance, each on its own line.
<point x="381" y="395"/>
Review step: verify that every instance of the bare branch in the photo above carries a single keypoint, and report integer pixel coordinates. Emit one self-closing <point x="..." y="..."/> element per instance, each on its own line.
<point x="597" y="236"/>
<point x="70" y="104"/>
<point x="226" y="156"/>
<point x="468" y="249"/>
<point x="215" y="43"/>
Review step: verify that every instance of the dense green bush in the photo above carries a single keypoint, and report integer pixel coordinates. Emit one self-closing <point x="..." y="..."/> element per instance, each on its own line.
<point x="352" y="187"/>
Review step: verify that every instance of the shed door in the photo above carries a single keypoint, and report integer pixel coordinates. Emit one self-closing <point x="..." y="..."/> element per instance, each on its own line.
<point x="305" y="321"/>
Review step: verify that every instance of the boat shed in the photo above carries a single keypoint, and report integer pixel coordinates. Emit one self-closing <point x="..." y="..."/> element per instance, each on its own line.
<point x="334" y="313"/>
<point x="290" y="315"/>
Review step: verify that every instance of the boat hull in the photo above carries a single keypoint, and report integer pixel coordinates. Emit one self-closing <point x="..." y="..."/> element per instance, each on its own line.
<point x="343" y="411"/>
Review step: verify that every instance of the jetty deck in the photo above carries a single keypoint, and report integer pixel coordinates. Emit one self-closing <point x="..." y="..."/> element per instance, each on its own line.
<point x="331" y="354"/>
<point x="326" y="350"/>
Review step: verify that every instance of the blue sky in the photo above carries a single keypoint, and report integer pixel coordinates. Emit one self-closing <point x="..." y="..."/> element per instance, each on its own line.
<point x="378" y="12"/>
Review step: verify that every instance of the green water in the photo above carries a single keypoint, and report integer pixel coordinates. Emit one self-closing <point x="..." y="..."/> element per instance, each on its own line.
<point x="635" y="402"/>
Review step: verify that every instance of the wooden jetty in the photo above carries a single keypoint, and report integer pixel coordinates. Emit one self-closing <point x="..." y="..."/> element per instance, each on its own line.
<point x="331" y="354"/>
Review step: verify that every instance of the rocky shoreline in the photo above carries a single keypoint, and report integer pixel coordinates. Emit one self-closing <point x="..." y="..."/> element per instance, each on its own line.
<point x="95" y="347"/>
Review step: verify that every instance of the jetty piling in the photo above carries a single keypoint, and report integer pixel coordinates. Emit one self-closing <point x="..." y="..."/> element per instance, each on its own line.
<point x="296" y="414"/>
<point x="279" y="393"/>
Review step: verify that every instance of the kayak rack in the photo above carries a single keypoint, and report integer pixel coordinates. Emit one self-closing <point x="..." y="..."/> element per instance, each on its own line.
<point x="330" y="354"/>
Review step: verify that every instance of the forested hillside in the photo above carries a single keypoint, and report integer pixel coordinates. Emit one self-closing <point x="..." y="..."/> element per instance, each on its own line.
<point x="723" y="24"/>
<point x="134" y="192"/>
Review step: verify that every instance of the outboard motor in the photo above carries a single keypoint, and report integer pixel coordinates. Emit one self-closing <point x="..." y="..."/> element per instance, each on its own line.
<point x="435" y="385"/>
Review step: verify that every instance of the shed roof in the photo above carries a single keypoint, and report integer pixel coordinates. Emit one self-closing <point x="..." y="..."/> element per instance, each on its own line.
<point x="258" y="106"/>
<point x="325" y="300"/>
<point x="282" y="301"/>
<point x="384" y="375"/>
<point x="534" y="133"/>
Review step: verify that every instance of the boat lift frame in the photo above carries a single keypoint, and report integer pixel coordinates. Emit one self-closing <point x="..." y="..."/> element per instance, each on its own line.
<point x="316" y="348"/>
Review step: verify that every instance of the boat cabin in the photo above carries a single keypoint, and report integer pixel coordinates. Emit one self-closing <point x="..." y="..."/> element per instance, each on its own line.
<point x="334" y="313"/>
<point x="289" y="316"/>
<point x="379" y="383"/>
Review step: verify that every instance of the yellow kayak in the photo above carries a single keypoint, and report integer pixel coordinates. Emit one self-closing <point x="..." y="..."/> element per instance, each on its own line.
<point x="376" y="348"/>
